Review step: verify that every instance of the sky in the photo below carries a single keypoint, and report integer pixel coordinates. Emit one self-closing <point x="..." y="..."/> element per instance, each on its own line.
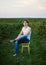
<point x="22" y="8"/>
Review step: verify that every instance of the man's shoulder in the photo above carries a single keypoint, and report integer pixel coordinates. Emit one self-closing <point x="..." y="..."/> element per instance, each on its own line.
<point x="29" y="27"/>
<point x="23" y="27"/>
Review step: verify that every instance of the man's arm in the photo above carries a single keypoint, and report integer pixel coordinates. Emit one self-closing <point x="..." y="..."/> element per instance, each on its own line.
<point x="19" y="35"/>
<point x="29" y="30"/>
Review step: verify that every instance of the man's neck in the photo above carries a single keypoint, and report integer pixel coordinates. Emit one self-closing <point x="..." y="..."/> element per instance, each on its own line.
<point x="25" y="26"/>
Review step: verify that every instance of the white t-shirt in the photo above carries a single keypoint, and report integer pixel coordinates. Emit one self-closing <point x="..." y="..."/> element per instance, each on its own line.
<point x="27" y="30"/>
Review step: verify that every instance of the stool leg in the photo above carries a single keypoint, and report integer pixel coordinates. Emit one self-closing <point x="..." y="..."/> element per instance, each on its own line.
<point x="22" y="50"/>
<point x="28" y="49"/>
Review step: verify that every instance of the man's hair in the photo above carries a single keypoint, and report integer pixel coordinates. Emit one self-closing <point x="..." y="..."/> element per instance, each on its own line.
<point x="27" y="21"/>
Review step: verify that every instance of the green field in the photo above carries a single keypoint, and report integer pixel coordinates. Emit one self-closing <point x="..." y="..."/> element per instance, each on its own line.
<point x="9" y="29"/>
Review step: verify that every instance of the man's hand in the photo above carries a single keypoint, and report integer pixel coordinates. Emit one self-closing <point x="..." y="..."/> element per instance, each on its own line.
<point x="14" y="39"/>
<point x="11" y="40"/>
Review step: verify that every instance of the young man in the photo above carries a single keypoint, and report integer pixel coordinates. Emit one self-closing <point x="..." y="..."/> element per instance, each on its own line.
<point x="24" y="36"/>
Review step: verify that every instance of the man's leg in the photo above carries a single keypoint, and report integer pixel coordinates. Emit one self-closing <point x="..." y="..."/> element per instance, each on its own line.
<point x="23" y="38"/>
<point x="17" y="47"/>
<point x="20" y="40"/>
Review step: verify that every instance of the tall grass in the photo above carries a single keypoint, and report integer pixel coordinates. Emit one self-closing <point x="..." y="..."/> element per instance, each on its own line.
<point x="9" y="29"/>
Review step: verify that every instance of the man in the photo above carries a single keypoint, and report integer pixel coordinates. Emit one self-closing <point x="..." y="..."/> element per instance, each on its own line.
<point x="24" y="36"/>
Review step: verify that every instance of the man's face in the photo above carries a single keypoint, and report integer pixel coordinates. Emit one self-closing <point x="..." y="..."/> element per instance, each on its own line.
<point x="25" y="23"/>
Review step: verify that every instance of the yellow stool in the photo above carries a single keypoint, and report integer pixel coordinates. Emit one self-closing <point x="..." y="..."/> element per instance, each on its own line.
<point x="26" y="45"/>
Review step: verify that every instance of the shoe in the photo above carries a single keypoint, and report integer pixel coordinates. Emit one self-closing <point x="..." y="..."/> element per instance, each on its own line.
<point x="14" y="54"/>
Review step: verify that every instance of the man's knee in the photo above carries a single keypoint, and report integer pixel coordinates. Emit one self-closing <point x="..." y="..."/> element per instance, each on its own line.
<point x="16" y="41"/>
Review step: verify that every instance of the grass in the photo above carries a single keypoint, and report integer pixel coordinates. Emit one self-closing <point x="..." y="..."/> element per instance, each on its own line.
<point x="37" y="54"/>
<point x="37" y="49"/>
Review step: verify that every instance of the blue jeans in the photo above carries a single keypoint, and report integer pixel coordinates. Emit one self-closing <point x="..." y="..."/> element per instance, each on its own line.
<point x="20" y="40"/>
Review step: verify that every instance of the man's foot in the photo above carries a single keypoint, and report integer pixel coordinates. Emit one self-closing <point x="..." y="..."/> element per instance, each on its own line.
<point x="14" y="54"/>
